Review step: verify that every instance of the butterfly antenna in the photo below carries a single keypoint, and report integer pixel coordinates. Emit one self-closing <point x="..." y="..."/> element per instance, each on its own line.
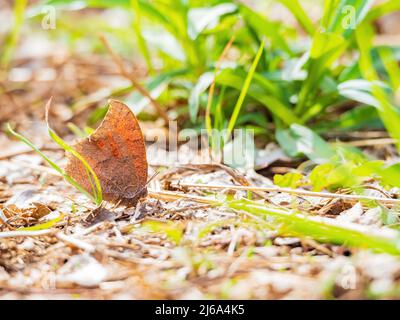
<point x="152" y="177"/>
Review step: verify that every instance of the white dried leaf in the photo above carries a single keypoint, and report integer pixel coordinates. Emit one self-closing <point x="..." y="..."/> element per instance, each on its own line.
<point x="83" y="270"/>
<point x="353" y="214"/>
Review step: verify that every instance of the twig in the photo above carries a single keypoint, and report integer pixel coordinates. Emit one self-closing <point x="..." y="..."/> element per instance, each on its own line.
<point x="16" y="106"/>
<point x="371" y="142"/>
<point x="41" y="168"/>
<point x="76" y="242"/>
<point x="236" y="176"/>
<point x="319" y="247"/>
<point x="212" y="87"/>
<point x="178" y="210"/>
<point x="25" y="233"/>
<point x="3" y="217"/>
<point x="291" y="191"/>
<point x="388" y="40"/>
<point x="235" y="265"/>
<point x="20" y="152"/>
<point x="124" y="256"/>
<point x="233" y="242"/>
<point x="334" y="134"/>
<point x="118" y="61"/>
<point x="172" y="196"/>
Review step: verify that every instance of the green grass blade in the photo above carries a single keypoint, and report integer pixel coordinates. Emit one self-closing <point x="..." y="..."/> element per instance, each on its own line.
<point x="265" y="28"/>
<point x="219" y="113"/>
<point x="300" y="225"/>
<point x="389" y="114"/>
<point x="12" y="40"/>
<point x="383" y="9"/>
<point x="329" y="10"/>
<point x="204" y="82"/>
<point x="76" y="130"/>
<point x="349" y="14"/>
<point x="391" y="65"/>
<point x="297" y="10"/>
<point x="44" y="225"/>
<point x="91" y="175"/>
<point x="276" y="107"/>
<point x="326" y="49"/>
<point x="139" y="34"/>
<point x="68" y="178"/>
<point x="298" y="140"/>
<point x="93" y="179"/>
<point x="243" y="92"/>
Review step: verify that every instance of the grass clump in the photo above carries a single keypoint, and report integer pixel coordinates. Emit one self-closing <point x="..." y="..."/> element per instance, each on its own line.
<point x="96" y="196"/>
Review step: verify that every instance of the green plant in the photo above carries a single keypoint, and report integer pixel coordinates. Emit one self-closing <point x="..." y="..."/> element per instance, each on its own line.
<point x="299" y="224"/>
<point x="96" y="195"/>
<point x="12" y="38"/>
<point x="306" y="85"/>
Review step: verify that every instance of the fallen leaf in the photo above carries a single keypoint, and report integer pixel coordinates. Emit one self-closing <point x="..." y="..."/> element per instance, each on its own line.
<point x="24" y="207"/>
<point x="35" y="211"/>
<point x="353" y="214"/>
<point x="83" y="270"/>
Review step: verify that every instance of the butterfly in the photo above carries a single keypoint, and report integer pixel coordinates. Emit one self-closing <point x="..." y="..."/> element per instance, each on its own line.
<point x="116" y="152"/>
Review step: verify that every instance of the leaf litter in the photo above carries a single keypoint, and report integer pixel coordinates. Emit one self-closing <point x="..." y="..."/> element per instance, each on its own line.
<point x="174" y="243"/>
<point x="184" y="249"/>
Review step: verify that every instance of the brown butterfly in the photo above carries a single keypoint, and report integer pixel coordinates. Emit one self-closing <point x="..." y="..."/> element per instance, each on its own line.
<point x="117" y="154"/>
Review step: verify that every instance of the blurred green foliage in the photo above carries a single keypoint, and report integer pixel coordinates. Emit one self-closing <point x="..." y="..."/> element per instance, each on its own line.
<point x="320" y="75"/>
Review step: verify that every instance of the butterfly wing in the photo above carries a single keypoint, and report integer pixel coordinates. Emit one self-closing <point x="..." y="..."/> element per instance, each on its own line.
<point x="117" y="154"/>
